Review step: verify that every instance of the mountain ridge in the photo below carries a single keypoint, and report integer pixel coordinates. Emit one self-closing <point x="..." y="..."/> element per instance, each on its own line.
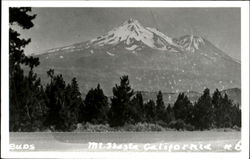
<point x="153" y="61"/>
<point x="132" y="25"/>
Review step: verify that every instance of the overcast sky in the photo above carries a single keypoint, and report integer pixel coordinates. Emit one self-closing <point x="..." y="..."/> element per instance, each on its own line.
<point x="55" y="27"/>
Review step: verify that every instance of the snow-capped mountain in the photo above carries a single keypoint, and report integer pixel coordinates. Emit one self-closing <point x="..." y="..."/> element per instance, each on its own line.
<point x="132" y="34"/>
<point x="191" y="43"/>
<point x="154" y="61"/>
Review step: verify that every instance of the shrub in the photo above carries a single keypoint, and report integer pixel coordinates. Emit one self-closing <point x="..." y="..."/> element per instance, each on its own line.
<point x="189" y="127"/>
<point x="181" y="125"/>
<point x="235" y="127"/>
<point x="142" y="127"/>
<point x="88" y="127"/>
<point x="155" y="127"/>
<point x="162" y="124"/>
<point x="177" y="124"/>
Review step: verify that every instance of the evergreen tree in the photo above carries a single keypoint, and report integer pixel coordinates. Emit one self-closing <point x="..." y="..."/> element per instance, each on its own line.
<point x="55" y="101"/>
<point x="20" y="17"/>
<point x="226" y="114"/>
<point x="203" y="111"/>
<point x="150" y="111"/>
<point x="35" y="107"/>
<point x="63" y="103"/>
<point x="183" y="108"/>
<point x="236" y="115"/>
<point x="96" y="106"/>
<point x="72" y="106"/>
<point x="225" y="117"/>
<point x="77" y="103"/>
<point x="169" y="114"/>
<point x="27" y="108"/>
<point x="217" y="108"/>
<point x="216" y="98"/>
<point x="119" y="111"/>
<point x="160" y="107"/>
<point x="136" y="109"/>
<point x="82" y="112"/>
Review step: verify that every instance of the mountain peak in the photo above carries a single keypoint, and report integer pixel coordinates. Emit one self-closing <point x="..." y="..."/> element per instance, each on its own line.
<point x="132" y="25"/>
<point x="131" y="20"/>
<point x="191" y="42"/>
<point x="133" y="35"/>
<point x="196" y="38"/>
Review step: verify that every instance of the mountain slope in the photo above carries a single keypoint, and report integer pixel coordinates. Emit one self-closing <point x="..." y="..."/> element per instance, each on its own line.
<point x="152" y="60"/>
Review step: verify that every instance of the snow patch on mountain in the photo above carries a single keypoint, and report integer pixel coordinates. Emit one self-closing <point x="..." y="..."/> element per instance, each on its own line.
<point x="53" y="50"/>
<point x="68" y="47"/>
<point x="135" y="38"/>
<point x="109" y="53"/>
<point x="191" y="43"/>
<point x="131" y="32"/>
<point x="133" y="47"/>
<point x="166" y="38"/>
<point x="128" y="32"/>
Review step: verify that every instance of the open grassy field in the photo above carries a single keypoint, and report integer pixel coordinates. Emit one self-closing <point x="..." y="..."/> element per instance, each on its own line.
<point x="169" y="141"/>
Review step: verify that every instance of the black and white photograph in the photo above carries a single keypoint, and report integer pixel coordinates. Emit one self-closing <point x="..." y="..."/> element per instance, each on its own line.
<point x="125" y="79"/>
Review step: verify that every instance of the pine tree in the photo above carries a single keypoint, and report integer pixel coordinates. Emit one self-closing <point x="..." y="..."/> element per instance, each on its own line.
<point x="150" y="111"/>
<point x="169" y="114"/>
<point x="136" y="109"/>
<point x="35" y="107"/>
<point x="226" y="114"/>
<point x="236" y="115"/>
<point x="203" y="111"/>
<point x="119" y="111"/>
<point x="183" y="108"/>
<point x="27" y="108"/>
<point x="63" y="102"/>
<point x="160" y="107"/>
<point x="20" y="17"/>
<point x="76" y="98"/>
<point x="72" y="106"/>
<point x="226" y="107"/>
<point x="55" y="101"/>
<point x="96" y="106"/>
<point x="217" y="109"/>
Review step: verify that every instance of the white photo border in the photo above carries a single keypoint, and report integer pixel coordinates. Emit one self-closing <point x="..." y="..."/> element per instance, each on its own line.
<point x="5" y="153"/>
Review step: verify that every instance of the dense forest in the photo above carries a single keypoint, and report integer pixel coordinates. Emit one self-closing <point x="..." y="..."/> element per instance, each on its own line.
<point x="59" y="106"/>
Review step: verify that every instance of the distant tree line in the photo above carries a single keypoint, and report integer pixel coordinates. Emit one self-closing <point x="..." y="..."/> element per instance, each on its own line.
<point x="60" y="107"/>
